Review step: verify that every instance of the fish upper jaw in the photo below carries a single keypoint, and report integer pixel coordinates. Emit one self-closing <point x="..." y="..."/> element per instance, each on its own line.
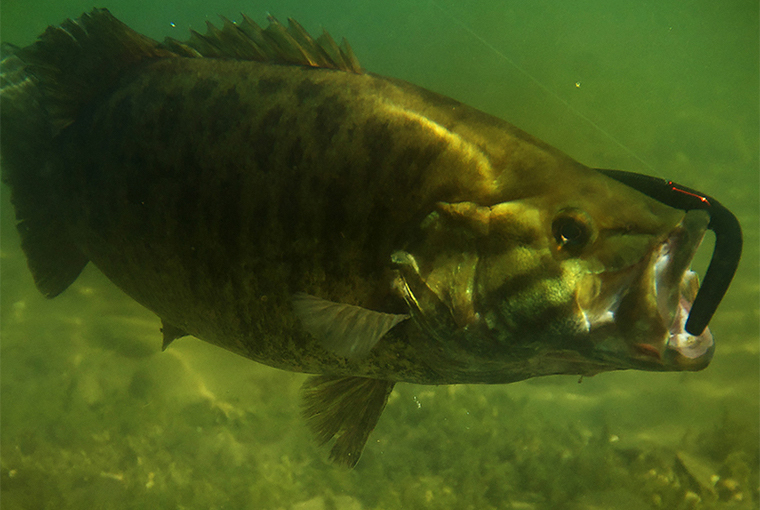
<point x="642" y="323"/>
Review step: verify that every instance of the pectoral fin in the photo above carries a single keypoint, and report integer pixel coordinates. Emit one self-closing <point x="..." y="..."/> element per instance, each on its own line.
<point x="344" y="408"/>
<point x="347" y="330"/>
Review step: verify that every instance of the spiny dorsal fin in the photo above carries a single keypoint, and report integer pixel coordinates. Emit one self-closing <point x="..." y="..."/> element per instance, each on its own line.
<point x="245" y="40"/>
<point x="344" y="408"/>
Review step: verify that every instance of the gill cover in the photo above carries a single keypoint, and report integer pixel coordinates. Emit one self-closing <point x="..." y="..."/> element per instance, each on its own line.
<point x="728" y="239"/>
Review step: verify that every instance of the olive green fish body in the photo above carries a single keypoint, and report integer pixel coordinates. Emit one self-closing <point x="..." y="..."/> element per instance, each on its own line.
<point x="256" y="189"/>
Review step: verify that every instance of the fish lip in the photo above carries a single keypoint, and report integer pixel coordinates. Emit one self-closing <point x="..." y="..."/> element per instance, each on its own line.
<point x="684" y="351"/>
<point x="676" y="286"/>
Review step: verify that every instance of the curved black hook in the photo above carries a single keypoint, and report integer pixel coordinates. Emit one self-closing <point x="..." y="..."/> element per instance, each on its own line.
<point x="728" y="239"/>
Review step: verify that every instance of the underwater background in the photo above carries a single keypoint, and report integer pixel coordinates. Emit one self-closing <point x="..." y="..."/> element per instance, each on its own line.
<point x="94" y="415"/>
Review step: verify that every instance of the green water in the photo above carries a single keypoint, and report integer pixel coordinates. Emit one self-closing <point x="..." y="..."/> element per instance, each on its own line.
<point x="95" y="416"/>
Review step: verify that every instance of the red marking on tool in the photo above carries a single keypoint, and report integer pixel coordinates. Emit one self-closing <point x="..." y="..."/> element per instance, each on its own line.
<point x="702" y="199"/>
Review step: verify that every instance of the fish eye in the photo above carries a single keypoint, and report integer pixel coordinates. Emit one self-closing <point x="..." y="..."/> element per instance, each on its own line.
<point x="571" y="229"/>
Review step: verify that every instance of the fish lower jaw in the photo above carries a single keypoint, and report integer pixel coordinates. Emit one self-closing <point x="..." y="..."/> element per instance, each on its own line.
<point x="687" y="351"/>
<point x="635" y="331"/>
<point x="678" y="350"/>
<point x="675" y="349"/>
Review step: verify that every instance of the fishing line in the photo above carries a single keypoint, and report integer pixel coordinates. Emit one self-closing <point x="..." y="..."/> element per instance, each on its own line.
<point x="540" y="85"/>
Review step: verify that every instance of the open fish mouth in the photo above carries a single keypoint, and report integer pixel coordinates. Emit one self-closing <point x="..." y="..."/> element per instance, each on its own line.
<point x="684" y="307"/>
<point x="676" y="287"/>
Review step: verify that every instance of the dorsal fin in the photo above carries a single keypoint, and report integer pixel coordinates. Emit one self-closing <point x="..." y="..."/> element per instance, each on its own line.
<point x="245" y="40"/>
<point x="79" y="59"/>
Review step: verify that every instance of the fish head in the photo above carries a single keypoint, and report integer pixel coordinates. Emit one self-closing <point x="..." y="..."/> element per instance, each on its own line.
<point x="625" y="260"/>
<point x="583" y="276"/>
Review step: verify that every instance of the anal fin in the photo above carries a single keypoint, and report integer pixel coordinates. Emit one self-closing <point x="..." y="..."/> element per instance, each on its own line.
<point x="344" y="408"/>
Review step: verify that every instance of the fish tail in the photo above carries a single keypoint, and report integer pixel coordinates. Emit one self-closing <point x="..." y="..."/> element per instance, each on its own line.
<point x="43" y="87"/>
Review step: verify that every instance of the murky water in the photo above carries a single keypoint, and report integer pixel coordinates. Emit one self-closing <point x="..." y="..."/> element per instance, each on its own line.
<point x="94" y="415"/>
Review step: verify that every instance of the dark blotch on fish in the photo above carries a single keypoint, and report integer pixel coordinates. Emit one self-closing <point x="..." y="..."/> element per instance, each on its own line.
<point x="331" y="115"/>
<point x="203" y="89"/>
<point x="267" y="86"/>
<point x="308" y="89"/>
<point x="265" y="136"/>
<point x="228" y="112"/>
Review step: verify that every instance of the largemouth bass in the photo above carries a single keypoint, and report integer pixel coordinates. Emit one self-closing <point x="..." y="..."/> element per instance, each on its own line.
<point x="257" y="189"/>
